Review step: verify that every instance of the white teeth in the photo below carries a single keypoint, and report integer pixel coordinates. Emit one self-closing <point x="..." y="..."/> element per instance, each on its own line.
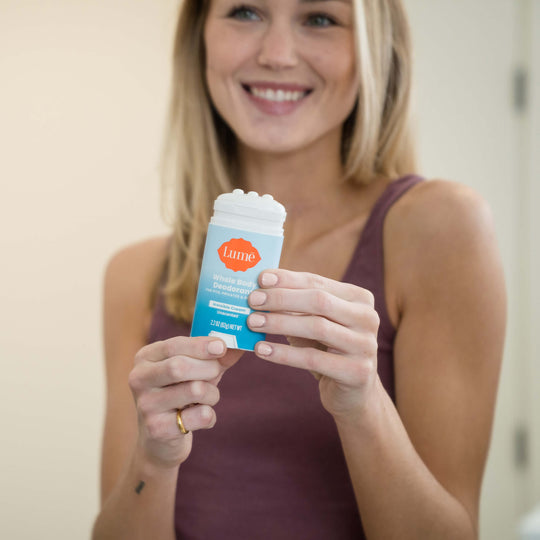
<point x="276" y="95"/>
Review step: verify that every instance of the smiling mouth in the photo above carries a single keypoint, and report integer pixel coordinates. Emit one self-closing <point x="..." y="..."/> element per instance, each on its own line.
<point x="276" y="95"/>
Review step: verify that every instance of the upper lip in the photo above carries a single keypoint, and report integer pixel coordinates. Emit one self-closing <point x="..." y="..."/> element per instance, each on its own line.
<point x="286" y="87"/>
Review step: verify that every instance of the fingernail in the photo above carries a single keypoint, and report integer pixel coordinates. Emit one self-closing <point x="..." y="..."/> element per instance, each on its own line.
<point x="257" y="298"/>
<point x="264" y="349"/>
<point x="216" y="347"/>
<point x="256" y="320"/>
<point x="268" y="280"/>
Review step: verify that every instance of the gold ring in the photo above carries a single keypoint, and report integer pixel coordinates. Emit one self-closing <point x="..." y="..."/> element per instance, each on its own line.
<point x="179" y="422"/>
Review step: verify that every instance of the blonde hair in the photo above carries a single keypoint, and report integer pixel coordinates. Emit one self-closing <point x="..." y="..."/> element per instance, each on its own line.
<point x="199" y="152"/>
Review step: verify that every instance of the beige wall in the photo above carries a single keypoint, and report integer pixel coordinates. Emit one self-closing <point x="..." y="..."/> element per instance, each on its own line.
<point x="82" y="94"/>
<point x="83" y="87"/>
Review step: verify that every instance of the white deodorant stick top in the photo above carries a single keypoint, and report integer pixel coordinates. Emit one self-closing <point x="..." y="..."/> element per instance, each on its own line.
<point x="249" y="211"/>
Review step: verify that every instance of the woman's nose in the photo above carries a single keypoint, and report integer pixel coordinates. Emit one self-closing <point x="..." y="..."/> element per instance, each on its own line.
<point x="278" y="47"/>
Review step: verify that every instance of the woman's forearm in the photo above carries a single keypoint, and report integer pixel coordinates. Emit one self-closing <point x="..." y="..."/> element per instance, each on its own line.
<point x="141" y="506"/>
<point x="397" y="495"/>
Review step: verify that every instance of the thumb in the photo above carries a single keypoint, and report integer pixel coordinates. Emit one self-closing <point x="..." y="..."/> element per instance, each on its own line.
<point x="230" y="358"/>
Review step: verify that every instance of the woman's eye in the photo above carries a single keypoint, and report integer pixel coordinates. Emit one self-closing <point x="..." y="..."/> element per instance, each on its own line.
<point x="320" y="20"/>
<point x="243" y="13"/>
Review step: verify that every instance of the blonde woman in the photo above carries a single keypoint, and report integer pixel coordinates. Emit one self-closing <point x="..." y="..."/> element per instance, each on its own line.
<point x="367" y="412"/>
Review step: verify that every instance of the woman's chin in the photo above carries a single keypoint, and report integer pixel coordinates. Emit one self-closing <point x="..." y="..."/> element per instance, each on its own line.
<point x="278" y="145"/>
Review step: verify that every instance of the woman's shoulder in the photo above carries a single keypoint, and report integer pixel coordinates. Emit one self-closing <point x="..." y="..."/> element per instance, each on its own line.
<point x="438" y="236"/>
<point x="139" y="260"/>
<point x="144" y="250"/>
<point x="440" y="213"/>
<point x="132" y="274"/>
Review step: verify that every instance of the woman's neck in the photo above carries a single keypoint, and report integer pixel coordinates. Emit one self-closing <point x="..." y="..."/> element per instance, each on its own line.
<point x="300" y="180"/>
<point x="310" y="185"/>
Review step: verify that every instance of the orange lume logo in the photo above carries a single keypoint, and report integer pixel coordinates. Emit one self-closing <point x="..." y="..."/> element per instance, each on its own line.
<point x="238" y="254"/>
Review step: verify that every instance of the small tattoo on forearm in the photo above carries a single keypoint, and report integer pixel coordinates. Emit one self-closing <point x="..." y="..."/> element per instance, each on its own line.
<point x="140" y="487"/>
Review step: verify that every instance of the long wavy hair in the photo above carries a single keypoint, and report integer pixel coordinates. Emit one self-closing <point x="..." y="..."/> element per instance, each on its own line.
<point x="200" y="149"/>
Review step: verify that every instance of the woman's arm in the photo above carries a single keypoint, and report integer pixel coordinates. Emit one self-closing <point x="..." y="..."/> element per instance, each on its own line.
<point x="444" y="266"/>
<point x="126" y="512"/>
<point x="417" y="472"/>
<point x="143" y="447"/>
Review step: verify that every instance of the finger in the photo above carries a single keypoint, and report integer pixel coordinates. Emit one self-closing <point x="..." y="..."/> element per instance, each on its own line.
<point x="288" y="279"/>
<point x="316" y="302"/>
<point x="203" y="348"/>
<point x="301" y="342"/>
<point x="178" y="396"/>
<point x="312" y="327"/>
<point x="343" y="369"/>
<point x="230" y="358"/>
<point x="197" y="417"/>
<point x="172" y="371"/>
<point x="164" y="426"/>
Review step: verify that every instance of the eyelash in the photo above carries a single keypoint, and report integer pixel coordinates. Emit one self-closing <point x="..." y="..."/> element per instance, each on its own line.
<point x="241" y="8"/>
<point x="236" y="11"/>
<point x="331" y="21"/>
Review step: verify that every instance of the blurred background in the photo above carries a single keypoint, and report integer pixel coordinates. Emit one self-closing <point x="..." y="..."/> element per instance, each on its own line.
<point x="83" y="94"/>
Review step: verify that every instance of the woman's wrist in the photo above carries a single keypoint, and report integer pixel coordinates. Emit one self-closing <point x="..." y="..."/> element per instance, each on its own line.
<point x="151" y="467"/>
<point x="365" y="419"/>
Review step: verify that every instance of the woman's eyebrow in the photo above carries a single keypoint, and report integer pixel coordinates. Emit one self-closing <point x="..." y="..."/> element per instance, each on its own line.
<point x="316" y="1"/>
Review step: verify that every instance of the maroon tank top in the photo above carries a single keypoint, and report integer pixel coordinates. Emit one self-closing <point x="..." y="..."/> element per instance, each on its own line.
<point x="273" y="468"/>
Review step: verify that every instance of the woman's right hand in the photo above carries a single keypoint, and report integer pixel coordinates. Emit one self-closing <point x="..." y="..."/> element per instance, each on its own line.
<point x="181" y="373"/>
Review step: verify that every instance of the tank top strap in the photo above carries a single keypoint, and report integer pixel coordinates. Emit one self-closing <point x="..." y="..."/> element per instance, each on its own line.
<point x="367" y="263"/>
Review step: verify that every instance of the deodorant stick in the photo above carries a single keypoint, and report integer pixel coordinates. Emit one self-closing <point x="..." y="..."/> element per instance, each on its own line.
<point x="245" y="237"/>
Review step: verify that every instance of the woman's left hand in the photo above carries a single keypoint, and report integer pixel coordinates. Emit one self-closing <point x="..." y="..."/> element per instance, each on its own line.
<point x="332" y="332"/>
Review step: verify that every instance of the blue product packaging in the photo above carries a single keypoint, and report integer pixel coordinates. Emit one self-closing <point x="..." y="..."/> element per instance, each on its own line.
<point x="245" y="237"/>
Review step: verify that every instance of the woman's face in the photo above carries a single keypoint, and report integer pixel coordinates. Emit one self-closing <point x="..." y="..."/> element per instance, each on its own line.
<point x="281" y="73"/>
